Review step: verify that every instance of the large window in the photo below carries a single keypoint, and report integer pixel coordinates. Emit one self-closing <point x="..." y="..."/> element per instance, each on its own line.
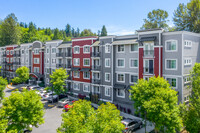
<point x="120" y="77"/>
<point x="11" y="52"/>
<point x="171" y="45"/>
<point x="107" y="48"/>
<point x="76" y="50"/>
<point x="107" y="62"/>
<point x="121" y="93"/>
<point x="86" y="62"/>
<point x="86" y="49"/>
<point x="133" y="63"/>
<point x="134" y="47"/>
<point x="172" y="82"/>
<point x="107" y="77"/>
<point x="120" y="48"/>
<point x="86" y="88"/>
<point x="36" y="69"/>
<point x="36" y="61"/>
<point x="86" y="75"/>
<point x="107" y="91"/>
<point x="76" y="61"/>
<point x="188" y="62"/>
<point x="120" y="62"/>
<point x="171" y="64"/>
<point x="76" y="74"/>
<point x="76" y="86"/>
<point x="133" y="79"/>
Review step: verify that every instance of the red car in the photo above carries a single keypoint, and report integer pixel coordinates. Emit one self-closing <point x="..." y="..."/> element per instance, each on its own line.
<point x="69" y="105"/>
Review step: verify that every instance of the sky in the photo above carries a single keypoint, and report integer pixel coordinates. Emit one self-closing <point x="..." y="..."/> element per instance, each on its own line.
<point x="121" y="17"/>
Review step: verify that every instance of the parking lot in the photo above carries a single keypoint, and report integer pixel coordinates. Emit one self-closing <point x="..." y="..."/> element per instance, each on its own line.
<point x="53" y="119"/>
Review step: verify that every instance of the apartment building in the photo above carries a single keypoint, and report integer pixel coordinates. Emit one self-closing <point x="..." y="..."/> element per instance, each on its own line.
<point x="104" y="68"/>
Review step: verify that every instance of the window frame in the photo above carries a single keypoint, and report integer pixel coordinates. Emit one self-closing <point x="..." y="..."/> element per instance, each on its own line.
<point x="37" y="59"/>
<point x="108" y="95"/>
<point x="187" y="59"/>
<point x="78" y="84"/>
<point x="74" y="49"/>
<point x="123" y="92"/>
<point x="84" y="49"/>
<point x="186" y="43"/>
<point x="84" y="61"/>
<point x="76" y="76"/>
<point x="84" y="88"/>
<point x="109" y="62"/>
<point x="171" y="79"/>
<point x="118" y="49"/>
<point x="171" y="50"/>
<point x="171" y="68"/>
<point x="130" y="62"/>
<point x="131" y="49"/>
<point x="105" y="77"/>
<point x="84" y="75"/>
<point x="107" y="48"/>
<point x="118" y="76"/>
<point x="78" y="61"/>
<point x="118" y="64"/>
<point x="130" y="78"/>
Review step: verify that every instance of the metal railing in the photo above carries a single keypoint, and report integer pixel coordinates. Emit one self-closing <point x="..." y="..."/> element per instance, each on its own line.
<point x="95" y="67"/>
<point x="95" y="54"/>
<point x="96" y="81"/>
<point x="148" y="70"/>
<point x="148" y="53"/>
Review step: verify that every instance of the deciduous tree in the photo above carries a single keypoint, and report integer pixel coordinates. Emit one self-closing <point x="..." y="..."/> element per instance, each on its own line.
<point x="156" y="101"/>
<point x="3" y="84"/>
<point x="23" y="73"/>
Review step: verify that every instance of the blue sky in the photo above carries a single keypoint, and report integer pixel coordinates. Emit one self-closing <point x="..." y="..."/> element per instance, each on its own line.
<point x="119" y="16"/>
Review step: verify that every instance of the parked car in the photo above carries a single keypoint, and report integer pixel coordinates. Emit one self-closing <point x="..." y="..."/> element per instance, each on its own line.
<point x="68" y="105"/>
<point x="46" y="96"/>
<point x="32" y="87"/>
<point x="55" y="98"/>
<point x="62" y="102"/>
<point x="131" y="125"/>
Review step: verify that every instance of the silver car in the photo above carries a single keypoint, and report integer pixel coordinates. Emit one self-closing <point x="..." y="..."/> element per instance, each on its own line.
<point x="131" y="125"/>
<point x="62" y="102"/>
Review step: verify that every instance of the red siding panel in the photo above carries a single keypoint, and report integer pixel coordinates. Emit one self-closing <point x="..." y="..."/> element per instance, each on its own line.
<point x="156" y="61"/>
<point x="140" y="63"/>
<point x="161" y="62"/>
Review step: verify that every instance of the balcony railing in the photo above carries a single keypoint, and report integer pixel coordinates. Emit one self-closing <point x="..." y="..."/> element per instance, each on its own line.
<point x="17" y="62"/>
<point x="16" y="55"/>
<point x="148" y="70"/>
<point x="148" y="53"/>
<point x="60" y="65"/>
<point x="95" y="54"/>
<point x="59" y="54"/>
<point x="68" y="66"/>
<point x="68" y="54"/>
<point x="96" y="81"/>
<point x="98" y="68"/>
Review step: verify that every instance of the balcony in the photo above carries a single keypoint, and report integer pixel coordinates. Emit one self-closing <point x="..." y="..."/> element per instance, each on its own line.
<point x="96" y="81"/>
<point x="4" y="55"/>
<point x="97" y="68"/>
<point x="16" y="55"/>
<point x="17" y="62"/>
<point x="148" y="70"/>
<point x="59" y="54"/>
<point x="68" y="66"/>
<point x="68" y="54"/>
<point x="148" y="53"/>
<point x="95" y="54"/>
<point x="60" y="65"/>
<point x="9" y="63"/>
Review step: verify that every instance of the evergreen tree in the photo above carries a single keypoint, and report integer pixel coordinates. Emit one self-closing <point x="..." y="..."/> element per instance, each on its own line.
<point x="21" y="24"/>
<point x="68" y="30"/>
<point x="57" y="35"/>
<point x="99" y="32"/>
<point x="77" y="32"/>
<point x="103" y="31"/>
<point x="73" y="32"/>
<point x="10" y="30"/>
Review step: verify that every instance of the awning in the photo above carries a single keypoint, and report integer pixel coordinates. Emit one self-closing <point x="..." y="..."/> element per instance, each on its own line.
<point x="96" y="43"/>
<point x="143" y="39"/>
<point x="65" y="45"/>
<point x="85" y="69"/>
<point x="119" y="86"/>
<point x="75" y="68"/>
<point x="17" y="49"/>
<point x="121" y="42"/>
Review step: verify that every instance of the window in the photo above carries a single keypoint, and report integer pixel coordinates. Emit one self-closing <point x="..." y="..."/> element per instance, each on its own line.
<point x="86" y="88"/>
<point x="186" y="79"/>
<point x="11" y="59"/>
<point x="96" y="89"/>
<point x="133" y="79"/>
<point x="53" y="60"/>
<point x="47" y="80"/>
<point x="120" y="77"/>
<point x="76" y="86"/>
<point x="76" y="50"/>
<point x="188" y="43"/>
<point x="107" y="91"/>
<point x="76" y="74"/>
<point x="133" y="63"/>
<point x="134" y="47"/>
<point x="171" y="46"/>
<point x="121" y="93"/>
<point x="22" y="51"/>
<point x="86" y="62"/>
<point x="107" y="62"/>
<point x="7" y="59"/>
<point x="47" y="60"/>
<point x="26" y="60"/>
<point x="47" y="51"/>
<point x="7" y="52"/>
<point x="186" y="98"/>
<point x="53" y="50"/>
<point x="36" y="69"/>
<point x="107" y="77"/>
<point x="11" y="52"/>
<point x="188" y="62"/>
<point x="36" y="51"/>
<point x="86" y="49"/>
<point x="172" y="81"/>
<point x="86" y="75"/>
<point x="120" y="48"/>
<point x="36" y="61"/>
<point x="76" y="61"/>
<point x="120" y="63"/>
<point x="27" y="51"/>
<point x="171" y="64"/>
<point x="107" y="48"/>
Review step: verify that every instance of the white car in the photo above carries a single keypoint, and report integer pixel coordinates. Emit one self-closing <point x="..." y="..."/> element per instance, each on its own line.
<point x="46" y="96"/>
<point x="32" y="87"/>
<point x="62" y="102"/>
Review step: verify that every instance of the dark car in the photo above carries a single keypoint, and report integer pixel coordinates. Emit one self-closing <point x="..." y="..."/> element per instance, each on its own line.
<point x="131" y="125"/>
<point x="55" y="98"/>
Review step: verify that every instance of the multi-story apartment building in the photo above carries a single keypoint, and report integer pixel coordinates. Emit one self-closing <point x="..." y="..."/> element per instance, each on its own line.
<point x="104" y="68"/>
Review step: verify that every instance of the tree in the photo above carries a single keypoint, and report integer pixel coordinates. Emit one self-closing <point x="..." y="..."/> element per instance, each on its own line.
<point x="103" y="31"/>
<point x="156" y="101"/>
<point x="83" y="118"/>
<point x="22" y="110"/>
<point x="58" y="80"/>
<point x="10" y="30"/>
<point x="180" y="17"/>
<point x="87" y="32"/>
<point x="3" y="84"/>
<point x="77" y="32"/>
<point x="68" y="30"/>
<point x="73" y="32"/>
<point x="156" y="19"/>
<point x="191" y="115"/>
<point x="23" y="73"/>
<point x="57" y="34"/>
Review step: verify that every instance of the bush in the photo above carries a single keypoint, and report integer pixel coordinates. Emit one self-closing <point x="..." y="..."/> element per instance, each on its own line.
<point x="16" y="81"/>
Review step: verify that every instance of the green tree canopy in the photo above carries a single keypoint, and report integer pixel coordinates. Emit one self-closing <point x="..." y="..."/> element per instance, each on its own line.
<point x="68" y="30"/>
<point x="21" y="110"/>
<point x="23" y="73"/>
<point x="82" y="118"/>
<point x="157" y="101"/>
<point x="3" y="84"/>
<point x="103" y="31"/>
<point x="156" y="19"/>
<point x="57" y="35"/>
<point x="87" y="32"/>
<point x="10" y="30"/>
